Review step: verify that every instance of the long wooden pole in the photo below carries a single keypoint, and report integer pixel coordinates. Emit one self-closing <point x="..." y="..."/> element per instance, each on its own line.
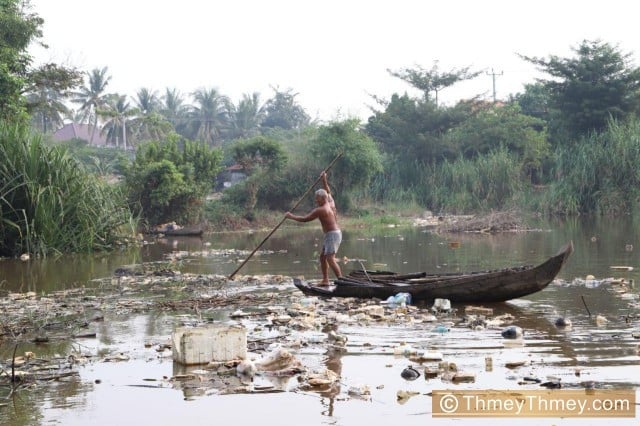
<point x="233" y="274"/>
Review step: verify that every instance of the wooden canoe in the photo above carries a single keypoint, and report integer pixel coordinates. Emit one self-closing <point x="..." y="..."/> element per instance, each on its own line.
<point x="186" y="231"/>
<point x="487" y="286"/>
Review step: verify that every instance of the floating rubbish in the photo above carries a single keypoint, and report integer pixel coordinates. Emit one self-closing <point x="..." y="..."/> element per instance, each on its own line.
<point x="403" y="396"/>
<point x="375" y="311"/>
<point x="562" y="322"/>
<point x="404" y="349"/>
<point x="622" y="268"/>
<point x="201" y="345"/>
<point x="488" y="364"/>
<point x="552" y="384"/>
<point x="478" y="310"/>
<point x="589" y="384"/>
<point x="441" y="329"/>
<point x="321" y="380"/>
<point x="516" y="364"/>
<point x="447" y="366"/>
<point x="430" y="373"/>
<point x="463" y="378"/>
<point x="401" y="299"/>
<point x="277" y="360"/>
<point x="428" y="356"/>
<point x="601" y="320"/>
<point x="477" y="323"/>
<point x="441" y="305"/>
<point x="338" y="339"/>
<point x="410" y="373"/>
<point x="360" y="390"/>
<point x="512" y="332"/>
<point x="246" y="368"/>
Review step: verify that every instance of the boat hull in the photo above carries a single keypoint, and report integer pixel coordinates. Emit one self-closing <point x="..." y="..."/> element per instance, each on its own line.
<point x="486" y="287"/>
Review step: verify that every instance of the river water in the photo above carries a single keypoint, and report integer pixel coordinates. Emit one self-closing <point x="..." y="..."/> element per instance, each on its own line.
<point x="601" y="354"/>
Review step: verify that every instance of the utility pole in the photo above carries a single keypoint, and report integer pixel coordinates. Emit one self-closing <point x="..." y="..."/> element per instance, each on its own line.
<point x="493" y="76"/>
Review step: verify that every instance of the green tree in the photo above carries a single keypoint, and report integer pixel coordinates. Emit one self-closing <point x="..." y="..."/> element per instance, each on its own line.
<point x="411" y="129"/>
<point x="18" y="29"/>
<point x="534" y="101"/>
<point x="209" y="116"/>
<point x="46" y="89"/>
<point x="247" y="116"/>
<point x="174" y="109"/>
<point x="168" y="181"/>
<point x="283" y="111"/>
<point x="149" y="123"/>
<point x="597" y="84"/>
<point x="503" y="128"/>
<point x="433" y="80"/>
<point x="360" y="159"/>
<point x="92" y="97"/>
<point x="117" y="113"/>
<point x="260" y="158"/>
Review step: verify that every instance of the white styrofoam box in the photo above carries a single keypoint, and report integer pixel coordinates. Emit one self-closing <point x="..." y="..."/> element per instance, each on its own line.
<point x="201" y="345"/>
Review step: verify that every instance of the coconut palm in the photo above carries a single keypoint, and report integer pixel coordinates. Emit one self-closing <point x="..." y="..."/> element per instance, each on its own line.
<point x="147" y="101"/>
<point x="173" y="107"/>
<point x="209" y="116"/>
<point x="116" y="113"/>
<point x="248" y="116"/>
<point x="92" y="97"/>
<point x="47" y="109"/>
<point x="149" y="123"/>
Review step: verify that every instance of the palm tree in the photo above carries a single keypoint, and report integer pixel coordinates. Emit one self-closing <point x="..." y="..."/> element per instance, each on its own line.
<point x="248" y="116"/>
<point x="117" y="112"/>
<point x="47" y="88"/>
<point x="173" y="107"/>
<point x="147" y="101"/>
<point x="210" y="116"/>
<point x="46" y="108"/>
<point x="149" y="124"/>
<point x="92" y="97"/>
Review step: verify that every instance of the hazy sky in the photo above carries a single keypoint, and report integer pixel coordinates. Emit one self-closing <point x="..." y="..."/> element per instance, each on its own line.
<point x="335" y="54"/>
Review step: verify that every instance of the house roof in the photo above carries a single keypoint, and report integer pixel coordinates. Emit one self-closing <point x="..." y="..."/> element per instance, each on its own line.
<point x="79" y="131"/>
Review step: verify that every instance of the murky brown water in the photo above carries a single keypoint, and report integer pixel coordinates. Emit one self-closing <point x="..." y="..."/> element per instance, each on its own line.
<point x="132" y="392"/>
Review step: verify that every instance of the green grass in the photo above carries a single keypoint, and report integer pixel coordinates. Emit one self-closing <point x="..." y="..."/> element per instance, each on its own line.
<point x="49" y="203"/>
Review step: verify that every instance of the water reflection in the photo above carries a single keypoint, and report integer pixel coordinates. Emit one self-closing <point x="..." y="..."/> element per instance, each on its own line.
<point x="333" y="362"/>
<point x="599" y="244"/>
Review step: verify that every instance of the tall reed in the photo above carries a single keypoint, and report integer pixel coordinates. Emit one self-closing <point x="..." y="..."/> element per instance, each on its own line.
<point x="600" y="173"/>
<point x="50" y="203"/>
<point x="491" y="181"/>
<point x="486" y="182"/>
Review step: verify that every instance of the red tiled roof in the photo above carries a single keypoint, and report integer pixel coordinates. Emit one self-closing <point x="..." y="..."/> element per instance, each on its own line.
<point x="79" y="131"/>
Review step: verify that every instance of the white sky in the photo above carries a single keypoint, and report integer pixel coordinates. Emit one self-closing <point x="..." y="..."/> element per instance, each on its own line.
<point x="334" y="53"/>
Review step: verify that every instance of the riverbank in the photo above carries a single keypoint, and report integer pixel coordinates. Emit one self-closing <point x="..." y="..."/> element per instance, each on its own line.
<point x="491" y="222"/>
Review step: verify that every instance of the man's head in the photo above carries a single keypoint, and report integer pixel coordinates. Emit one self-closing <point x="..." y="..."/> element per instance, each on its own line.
<point x="321" y="196"/>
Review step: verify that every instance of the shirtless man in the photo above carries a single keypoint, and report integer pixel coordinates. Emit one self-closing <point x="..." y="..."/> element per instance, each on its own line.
<point x="328" y="216"/>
